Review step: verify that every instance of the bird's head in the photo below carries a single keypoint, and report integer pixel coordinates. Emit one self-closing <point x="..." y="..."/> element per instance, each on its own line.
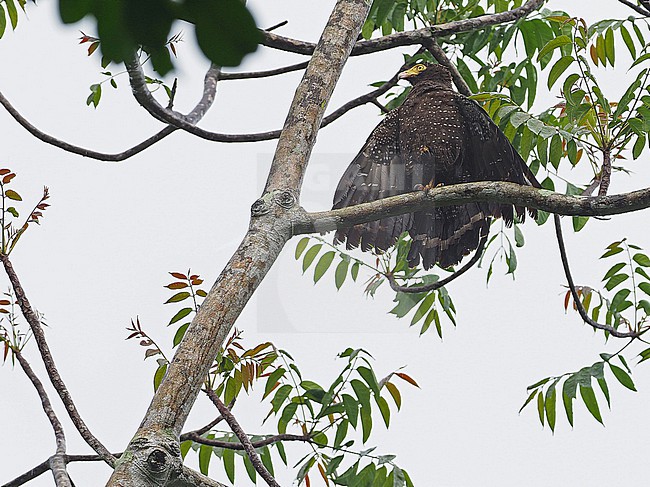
<point x="433" y="73"/>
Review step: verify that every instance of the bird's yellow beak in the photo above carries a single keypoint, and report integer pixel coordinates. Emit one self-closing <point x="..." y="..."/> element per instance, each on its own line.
<point x="413" y="71"/>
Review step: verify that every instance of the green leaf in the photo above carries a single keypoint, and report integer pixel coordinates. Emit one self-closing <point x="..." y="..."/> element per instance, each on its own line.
<point x="623" y="377"/>
<point x="229" y="464"/>
<point x="549" y="406"/>
<point x="310" y="386"/>
<point x="627" y="38"/>
<point x="225" y="30"/>
<point x="366" y="422"/>
<point x="74" y="10"/>
<point x="272" y="380"/>
<point x="362" y="392"/>
<point x="180" y="333"/>
<point x="553" y="44"/>
<point x="250" y="469"/>
<point x="351" y="409"/>
<point x="394" y="392"/>
<point x="341" y="433"/>
<point x="341" y="273"/>
<point x="384" y="409"/>
<point x="354" y="271"/>
<point x="640" y="60"/>
<point x="280" y="397"/>
<point x="267" y="461"/>
<point x="180" y="315"/>
<point x="300" y="248"/>
<point x="579" y="222"/>
<point x="286" y="416"/>
<point x="558" y="68"/>
<point x="613" y="270"/>
<point x="12" y="195"/>
<point x="609" y="46"/>
<point x="13" y="13"/>
<point x="205" y="454"/>
<point x="323" y="264"/>
<point x="519" y="237"/>
<point x="540" y="407"/>
<point x="159" y="375"/>
<point x="589" y="398"/>
<point x="645" y="287"/>
<point x="603" y="387"/>
<point x="310" y="255"/>
<point x="641" y="259"/>
<point x="405" y="303"/>
<point x="3" y="22"/>
<point x="616" y="280"/>
<point x="178" y="297"/>
<point x="424" y="307"/>
<point x="369" y="376"/>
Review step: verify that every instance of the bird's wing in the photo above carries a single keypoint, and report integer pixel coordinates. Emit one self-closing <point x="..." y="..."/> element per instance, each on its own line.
<point x="488" y="155"/>
<point x="376" y="172"/>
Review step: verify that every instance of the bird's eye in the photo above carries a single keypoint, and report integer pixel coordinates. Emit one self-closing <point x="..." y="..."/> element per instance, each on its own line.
<point x="420" y="67"/>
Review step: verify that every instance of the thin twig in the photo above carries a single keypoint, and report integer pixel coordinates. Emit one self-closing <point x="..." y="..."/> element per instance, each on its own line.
<point x="231" y="445"/>
<point x="56" y="462"/>
<point x="50" y="366"/>
<point x="43" y="467"/>
<point x="576" y="299"/>
<point x="243" y="438"/>
<point x="264" y="74"/>
<point x="438" y="284"/>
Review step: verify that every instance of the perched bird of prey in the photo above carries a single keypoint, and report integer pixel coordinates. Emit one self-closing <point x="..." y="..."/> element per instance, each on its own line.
<point x="436" y="137"/>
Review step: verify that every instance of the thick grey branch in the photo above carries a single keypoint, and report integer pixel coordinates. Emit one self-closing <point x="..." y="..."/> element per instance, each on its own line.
<point x="408" y="38"/>
<point x="50" y="366"/>
<point x="493" y="191"/>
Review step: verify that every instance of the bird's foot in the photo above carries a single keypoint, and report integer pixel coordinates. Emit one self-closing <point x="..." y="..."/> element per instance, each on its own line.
<point x="430" y="185"/>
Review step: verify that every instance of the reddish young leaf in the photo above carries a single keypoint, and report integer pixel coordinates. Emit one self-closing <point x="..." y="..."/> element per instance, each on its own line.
<point x="178" y="275"/>
<point x="4" y="302"/>
<point x="322" y="474"/>
<point x="407" y="378"/>
<point x="171" y="46"/>
<point x="566" y="300"/>
<point x="4" y="171"/>
<point x="8" y="178"/>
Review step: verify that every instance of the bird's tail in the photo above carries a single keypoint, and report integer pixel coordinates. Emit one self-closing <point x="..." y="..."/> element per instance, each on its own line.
<point x="445" y="235"/>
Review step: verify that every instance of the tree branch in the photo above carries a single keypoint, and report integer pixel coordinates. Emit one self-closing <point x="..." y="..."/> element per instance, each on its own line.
<point x="576" y="299"/>
<point x="264" y="74"/>
<point x="636" y="8"/>
<point x="192" y="436"/>
<point x="50" y="366"/>
<point x="442" y="283"/>
<point x="408" y="38"/>
<point x="154" y="446"/>
<point x="209" y="90"/>
<point x="56" y="462"/>
<point x="492" y="191"/>
<point x="441" y="56"/>
<point x="243" y="438"/>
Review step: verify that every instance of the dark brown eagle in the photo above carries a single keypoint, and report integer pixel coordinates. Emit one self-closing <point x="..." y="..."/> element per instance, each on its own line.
<point x="436" y="137"/>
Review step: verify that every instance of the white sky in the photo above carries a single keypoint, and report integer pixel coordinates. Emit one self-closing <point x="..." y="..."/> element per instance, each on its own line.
<point x="114" y="230"/>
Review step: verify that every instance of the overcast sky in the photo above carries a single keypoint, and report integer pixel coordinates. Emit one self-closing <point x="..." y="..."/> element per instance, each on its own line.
<point x="104" y="249"/>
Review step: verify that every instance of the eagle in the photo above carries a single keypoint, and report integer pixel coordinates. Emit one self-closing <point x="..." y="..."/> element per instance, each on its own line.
<point x="436" y="137"/>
